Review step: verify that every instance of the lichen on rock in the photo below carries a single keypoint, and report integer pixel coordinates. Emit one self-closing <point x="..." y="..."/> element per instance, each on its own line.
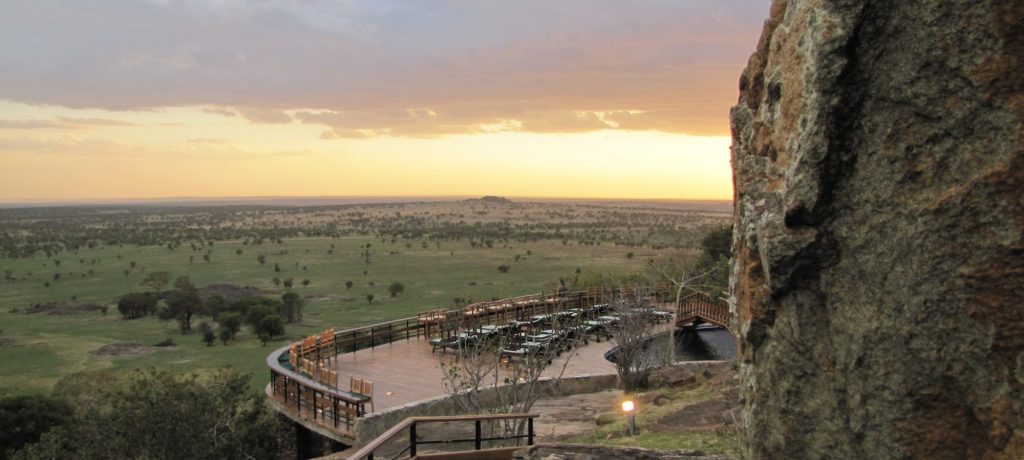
<point x="878" y="269"/>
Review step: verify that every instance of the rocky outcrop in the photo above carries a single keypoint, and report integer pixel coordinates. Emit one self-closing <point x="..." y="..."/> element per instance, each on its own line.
<point x="878" y="276"/>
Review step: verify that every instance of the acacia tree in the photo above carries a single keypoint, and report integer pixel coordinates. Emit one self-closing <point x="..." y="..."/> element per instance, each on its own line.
<point x="157" y="280"/>
<point x="183" y="304"/>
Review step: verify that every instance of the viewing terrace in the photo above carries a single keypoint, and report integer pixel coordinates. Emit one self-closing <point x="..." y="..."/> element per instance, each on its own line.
<point x="330" y="381"/>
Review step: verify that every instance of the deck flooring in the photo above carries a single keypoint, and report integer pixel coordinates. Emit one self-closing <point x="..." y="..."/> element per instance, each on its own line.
<point x="407" y="371"/>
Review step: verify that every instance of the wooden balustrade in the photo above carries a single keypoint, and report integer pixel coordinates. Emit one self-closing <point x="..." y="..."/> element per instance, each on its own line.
<point x="702" y="307"/>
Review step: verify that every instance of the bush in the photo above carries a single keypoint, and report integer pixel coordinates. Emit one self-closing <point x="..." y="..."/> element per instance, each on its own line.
<point x="503" y="268"/>
<point x="24" y="419"/>
<point x="396" y="288"/>
<point x="156" y="414"/>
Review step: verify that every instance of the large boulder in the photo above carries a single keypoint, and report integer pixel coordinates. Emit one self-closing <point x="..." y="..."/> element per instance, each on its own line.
<point x="878" y="276"/>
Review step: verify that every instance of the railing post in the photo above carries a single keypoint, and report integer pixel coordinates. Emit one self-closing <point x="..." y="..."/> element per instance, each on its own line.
<point x="412" y="439"/>
<point x="529" y="431"/>
<point x="476" y="439"/>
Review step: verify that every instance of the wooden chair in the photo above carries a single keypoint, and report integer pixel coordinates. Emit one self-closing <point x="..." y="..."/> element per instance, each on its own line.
<point x="367" y="391"/>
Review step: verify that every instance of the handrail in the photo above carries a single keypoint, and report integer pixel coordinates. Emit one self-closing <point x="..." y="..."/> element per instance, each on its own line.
<point x="366" y="452"/>
<point x="702" y="306"/>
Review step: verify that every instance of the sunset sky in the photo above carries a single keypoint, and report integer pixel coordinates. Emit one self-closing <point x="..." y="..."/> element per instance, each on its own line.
<point x="228" y="98"/>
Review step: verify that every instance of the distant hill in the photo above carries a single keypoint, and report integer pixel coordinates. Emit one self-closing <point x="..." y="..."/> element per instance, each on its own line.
<point x="495" y="199"/>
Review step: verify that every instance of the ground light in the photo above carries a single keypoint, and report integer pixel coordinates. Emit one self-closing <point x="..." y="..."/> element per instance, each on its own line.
<point x="628" y="406"/>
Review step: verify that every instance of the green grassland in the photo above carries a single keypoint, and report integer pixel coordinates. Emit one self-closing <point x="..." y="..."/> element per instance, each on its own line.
<point x="37" y="349"/>
<point x="439" y="251"/>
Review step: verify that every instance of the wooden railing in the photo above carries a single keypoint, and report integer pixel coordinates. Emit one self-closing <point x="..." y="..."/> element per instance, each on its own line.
<point x="312" y="400"/>
<point x="699" y="306"/>
<point x="409" y="427"/>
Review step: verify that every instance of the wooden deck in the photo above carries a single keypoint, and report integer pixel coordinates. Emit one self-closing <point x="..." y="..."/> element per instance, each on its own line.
<point x="410" y="372"/>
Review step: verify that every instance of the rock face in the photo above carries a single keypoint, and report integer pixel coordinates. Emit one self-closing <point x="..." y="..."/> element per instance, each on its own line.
<point x="878" y="276"/>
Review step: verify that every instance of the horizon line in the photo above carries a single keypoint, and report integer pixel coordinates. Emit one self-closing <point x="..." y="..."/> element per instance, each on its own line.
<point x="45" y="202"/>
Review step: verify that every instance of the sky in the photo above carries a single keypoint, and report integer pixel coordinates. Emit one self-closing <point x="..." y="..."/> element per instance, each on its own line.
<point x="122" y="99"/>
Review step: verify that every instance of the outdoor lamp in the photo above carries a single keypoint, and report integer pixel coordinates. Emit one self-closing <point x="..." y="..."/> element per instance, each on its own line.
<point x="628" y="406"/>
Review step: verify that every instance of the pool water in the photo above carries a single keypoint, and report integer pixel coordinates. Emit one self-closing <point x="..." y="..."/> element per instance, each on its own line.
<point x="706" y="344"/>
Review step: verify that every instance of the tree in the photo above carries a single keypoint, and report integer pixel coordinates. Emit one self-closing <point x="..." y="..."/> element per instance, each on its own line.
<point x="134" y="305"/>
<point x="24" y="419"/>
<point x="631" y="334"/>
<point x="270" y="326"/>
<point x="262" y="259"/>
<point x="277" y="282"/>
<point x="157" y="414"/>
<point x="348" y="284"/>
<point x="369" y="298"/>
<point x="277" y="267"/>
<point x="481" y="380"/>
<point x="232" y="321"/>
<point x="208" y="335"/>
<point x="184" y="283"/>
<point x="503" y="268"/>
<point x="289" y="282"/>
<point x="183" y="304"/>
<point x="305" y="282"/>
<point x="157" y="280"/>
<point x="224" y="334"/>
<point x="214" y="305"/>
<point x="291" y="306"/>
<point x="396" y="288"/>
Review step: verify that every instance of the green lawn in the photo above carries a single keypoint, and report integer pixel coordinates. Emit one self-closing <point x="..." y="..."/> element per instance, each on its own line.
<point x="37" y="350"/>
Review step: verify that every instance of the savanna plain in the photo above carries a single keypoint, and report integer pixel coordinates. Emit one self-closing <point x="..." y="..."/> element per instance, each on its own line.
<point x="65" y="269"/>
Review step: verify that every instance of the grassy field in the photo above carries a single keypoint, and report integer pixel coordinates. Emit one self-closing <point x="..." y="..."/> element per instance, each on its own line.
<point x="37" y="350"/>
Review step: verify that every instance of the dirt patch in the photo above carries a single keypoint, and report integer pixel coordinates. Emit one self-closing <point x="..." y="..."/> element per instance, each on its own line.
<point x="59" y="308"/>
<point x="704" y="415"/>
<point x="230" y="292"/>
<point x="118" y="349"/>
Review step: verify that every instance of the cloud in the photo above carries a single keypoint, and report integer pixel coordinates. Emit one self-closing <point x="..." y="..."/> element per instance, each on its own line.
<point x="661" y="65"/>
<point x="63" y="145"/>
<point x="61" y="123"/>
<point x="196" y="148"/>
<point x="258" y="115"/>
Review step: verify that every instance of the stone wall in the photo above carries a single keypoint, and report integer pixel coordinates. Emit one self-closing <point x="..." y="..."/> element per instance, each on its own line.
<point x="878" y="276"/>
<point x="373" y="425"/>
